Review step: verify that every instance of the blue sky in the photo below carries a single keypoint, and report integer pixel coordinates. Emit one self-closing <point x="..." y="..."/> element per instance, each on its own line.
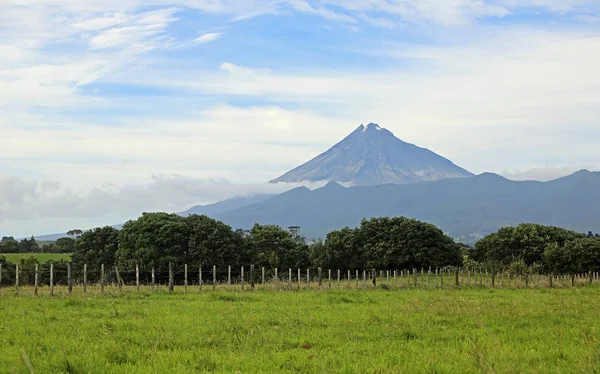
<point x="109" y="108"/>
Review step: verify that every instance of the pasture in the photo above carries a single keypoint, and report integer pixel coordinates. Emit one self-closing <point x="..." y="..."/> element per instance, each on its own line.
<point x="468" y="330"/>
<point x="42" y="258"/>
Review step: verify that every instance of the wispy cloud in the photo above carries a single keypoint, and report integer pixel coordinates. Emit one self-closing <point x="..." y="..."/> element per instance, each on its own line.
<point x="208" y="37"/>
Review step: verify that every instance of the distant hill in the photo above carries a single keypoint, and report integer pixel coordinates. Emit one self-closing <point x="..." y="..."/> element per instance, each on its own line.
<point x="465" y="208"/>
<point x="372" y="155"/>
<point x="227" y="205"/>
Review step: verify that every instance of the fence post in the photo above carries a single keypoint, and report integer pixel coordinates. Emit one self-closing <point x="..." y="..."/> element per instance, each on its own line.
<point x="299" y="278"/>
<point x="429" y="277"/>
<point x="137" y="277"/>
<point x="153" y="275"/>
<point x="118" y="277"/>
<point x="365" y="277"/>
<point x="228" y="276"/>
<point x="307" y="278"/>
<point x="171" y="277"/>
<point x="242" y="277"/>
<point x="290" y="278"/>
<point x="357" y="279"/>
<point x="374" y="278"/>
<point x="214" y="277"/>
<point x="252" y="280"/>
<point x="263" y="276"/>
<point x="329" y="277"/>
<point x="70" y="278"/>
<point x="185" y="279"/>
<point x="349" y="278"/>
<point x="84" y="278"/>
<point x="17" y="278"/>
<point x="456" y="277"/>
<point x="320" y="279"/>
<point x="0" y="275"/>
<point x="415" y="276"/>
<point x="200" y="279"/>
<point x="550" y="277"/>
<point x="36" y="280"/>
<point x="51" y="279"/>
<point x="102" y="278"/>
<point x="276" y="279"/>
<point x="339" y="278"/>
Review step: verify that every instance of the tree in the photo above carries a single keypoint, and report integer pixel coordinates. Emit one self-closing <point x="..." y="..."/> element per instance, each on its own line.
<point x="9" y="245"/>
<point x="96" y="247"/>
<point x="403" y="243"/>
<point x="342" y="249"/>
<point x="211" y="242"/>
<point x="75" y="232"/>
<point x="272" y="246"/>
<point x="153" y="240"/>
<point x="526" y="241"/>
<point x="64" y="245"/>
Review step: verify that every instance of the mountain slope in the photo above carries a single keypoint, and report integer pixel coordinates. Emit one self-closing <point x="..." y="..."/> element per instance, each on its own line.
<point x="227" y="205"/>
<point x="372" y="155"/>
<point x="465" y="208"/>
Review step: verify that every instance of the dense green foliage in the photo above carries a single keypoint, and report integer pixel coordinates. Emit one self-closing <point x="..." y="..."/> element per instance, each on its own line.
<point x="552" y="249"/>
<point x="347" y="331"/>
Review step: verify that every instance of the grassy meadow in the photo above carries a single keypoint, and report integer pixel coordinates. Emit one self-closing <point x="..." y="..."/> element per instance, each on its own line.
<point x="307" y="331"/>
<point x="15" y="258"/>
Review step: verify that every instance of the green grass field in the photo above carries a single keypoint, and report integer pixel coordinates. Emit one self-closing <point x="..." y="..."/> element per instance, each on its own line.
<point x="41" y="257"/>
<point x="329" y="331"/>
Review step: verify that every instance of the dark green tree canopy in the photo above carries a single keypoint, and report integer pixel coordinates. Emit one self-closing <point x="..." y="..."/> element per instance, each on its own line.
<point x="526" y="241"/>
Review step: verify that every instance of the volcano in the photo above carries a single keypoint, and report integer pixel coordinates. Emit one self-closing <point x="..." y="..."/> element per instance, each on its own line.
<point x="372" y="155"/>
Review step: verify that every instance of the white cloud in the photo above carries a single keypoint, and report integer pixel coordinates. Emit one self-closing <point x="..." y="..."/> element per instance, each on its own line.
<point x="38" y="201"/>
<point x="208" y="37"/>
<point x="539" y="174"/>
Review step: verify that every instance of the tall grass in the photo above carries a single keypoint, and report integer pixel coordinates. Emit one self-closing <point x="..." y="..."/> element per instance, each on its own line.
<point x="307" y="331"/>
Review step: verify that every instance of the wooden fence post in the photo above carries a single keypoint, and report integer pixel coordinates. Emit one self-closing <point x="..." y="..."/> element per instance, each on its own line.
<point x="102" y="278"/>
<point x="84" y="278"/>
<point x="456" y="277"/>
<point x="349" y="278"/>
<point x="320" y="278"/>
<point x="374" y="278"/>
<point x="17" y="278"/>
<point x="263" y="276"/>
<point x="299" y="278"/>
<point x="329" y="277"/>
<point x="289" y="278"/>
<point x="252" y="276"/>
<point x="357" y="279"/>
<point x="171" y="277"/>
<point x="36" y="280"/>
<point x="153" y="275"/>
<point x="308" y="278"/>
<point x="137" y="277"/>
<point x="69" y="278"/>
<point x="185" y="278"/>
<point x="550" y="278"/>
<point x="214" y="277"/>
<point x="415" y="277"/>
<point x="200" y="279"/>
<point x="365" y="277"/>
<point x="242" y="277"/>
<point x="339" y="276"/>
<point x="276" y="279"/>
<point x="229" y="276"/>
<point x="51" y="279"/>
<point x="429" y="277"/>
<point x="119" y="283"/>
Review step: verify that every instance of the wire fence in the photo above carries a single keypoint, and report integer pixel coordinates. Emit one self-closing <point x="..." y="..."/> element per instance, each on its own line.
<point x="68" y="278"/>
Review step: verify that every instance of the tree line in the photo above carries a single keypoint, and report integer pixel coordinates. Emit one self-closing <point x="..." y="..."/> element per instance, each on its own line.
<point x="156" y="239"/>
